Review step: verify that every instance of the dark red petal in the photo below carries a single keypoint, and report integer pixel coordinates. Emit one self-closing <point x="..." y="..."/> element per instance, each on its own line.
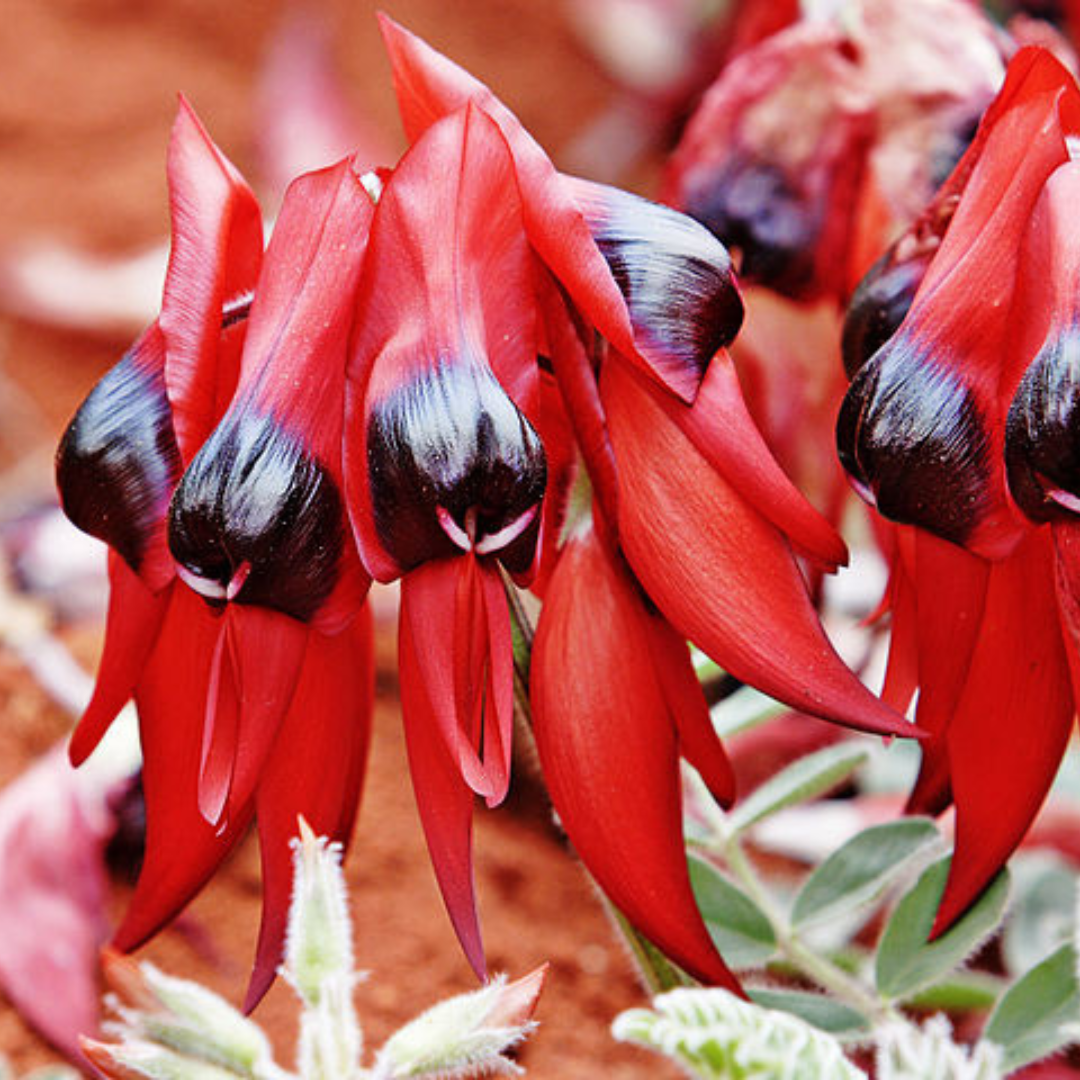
<point x="1012" y="723"/>
<point x="443" y="798"/>
<point x="131" y="631"/>
<point x="445" y="356"/>
<point x="430" y="86"/>
<point x="316" y="770"/>
<point x="182" y="848"/>
<point x="264" y="495"/>
<point x="719" y="570"/>
<point x="610" y="752"/>
<point x="118" y="463"/>
<point x="216" y="253"/>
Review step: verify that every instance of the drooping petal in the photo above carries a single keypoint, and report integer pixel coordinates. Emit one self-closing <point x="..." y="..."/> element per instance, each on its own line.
<point x="259" y="517"/>
<point x="1009" y="731"/>
<point x="459" y="632"/>
<point x="430" y="86"/>
<point x="444" y="799"/>
<point x="182" y="848"/>
<point x="923" y="422"/>
<point x="118" y="462"/>
<point x="609" y="748"/>
<point x="316" y="770"/>
<point x="131" y="631"/>
<point x="216" y="253"/>
<point x="950" y="587"/>
<point x="719" y="570"/>
<point x="440" y="454"/>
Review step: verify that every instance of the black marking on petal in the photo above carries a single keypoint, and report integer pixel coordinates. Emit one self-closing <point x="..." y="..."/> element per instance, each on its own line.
<point x="878" y="307"/>
<point x="675" y="275"/>
<point x="910" y="435"/>
<point x="1042" y="433"/>
<point x="236" y="310"/>
<point x="452" y="445"/>
<point x="751" y="206"/>
<point x="257" y="519"/>
<point x="118" y="463"/>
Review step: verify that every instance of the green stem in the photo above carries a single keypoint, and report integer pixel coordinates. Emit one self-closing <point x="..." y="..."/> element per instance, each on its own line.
<point x="818" y="969"/>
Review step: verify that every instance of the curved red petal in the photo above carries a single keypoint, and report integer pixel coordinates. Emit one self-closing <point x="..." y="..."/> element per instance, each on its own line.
<point x="443" y="798"/>
<point x="315" y="770"/>
<point x="609" y="750"/>
<point x="722" y="430"/>
<point x="1011" y="725"/>
<point x="719" y="570"/>
<point x="131" y="630"/>
<point x="429" y="86"/>
<point x="216" y="253"/>
<point x="182" y="848"/>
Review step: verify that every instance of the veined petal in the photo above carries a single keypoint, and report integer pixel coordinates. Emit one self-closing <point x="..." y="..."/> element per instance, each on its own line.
<point x="440" y="455"/>
<point x="316" y="770"/>
<point x="609" y="748"/>
<point x="171" y="692"/>
<point x="1012" y="723"/>
<point x="259" y="516"/>
<point x="719" y="570"/>
<point x="131" y="630"/>
<point x="215" y="258"/>
<point x="118" y="462"/>
<point x="443" y="798"/>
<point x="430" y="86"/>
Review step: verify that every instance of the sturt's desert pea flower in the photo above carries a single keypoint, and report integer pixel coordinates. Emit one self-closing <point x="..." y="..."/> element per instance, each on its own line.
<point x="465" y="285"/>
<point x="235" y="617"/>
<point x="961" y="426"/>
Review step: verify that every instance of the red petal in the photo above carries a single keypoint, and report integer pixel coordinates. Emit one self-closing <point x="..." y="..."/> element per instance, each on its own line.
<point x="171" y="692"/>
<point x="902" y="673"/>
<point x="316" y="770"/>
<point x="444" y="799"/>
<point x="950" y="588"/>
<point x="253" y="675"/>
<point x="447" y="282"/>
<point x="216" y="252"/>
<point x="723" y="432"/>
<point x="719" y="570"/>
<point x="430" y="86"/>
<point x="135" y="617"/>
<point x="1012" y="723"/>
<point x="610" y="750"/>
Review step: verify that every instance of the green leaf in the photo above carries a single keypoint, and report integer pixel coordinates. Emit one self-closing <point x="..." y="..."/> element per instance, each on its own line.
<point x="1042" y="911"/>
<point x="907" y="961"/>
<point x="822" y="1012"/>
<point x="807" y="778"/>
<point x="963" y="991"/>
<point x="856" y="874"/>
<point x="738" y="926"/>
<point x="744" y="710"/>
<point x="1027" y="1023"/>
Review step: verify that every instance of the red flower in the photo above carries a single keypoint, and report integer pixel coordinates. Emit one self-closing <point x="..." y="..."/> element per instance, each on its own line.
<point x="482" y="258"/>
<point x="241" y="645"/>
<point x="960" y="425"/>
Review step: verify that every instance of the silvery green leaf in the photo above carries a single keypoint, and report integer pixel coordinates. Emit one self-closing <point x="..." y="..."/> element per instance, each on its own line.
<point x="741" y="931"/>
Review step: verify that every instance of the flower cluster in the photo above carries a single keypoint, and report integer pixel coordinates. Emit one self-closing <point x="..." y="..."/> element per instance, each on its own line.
<point x="402" y="387"/>
<point x="962" y="427"/>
